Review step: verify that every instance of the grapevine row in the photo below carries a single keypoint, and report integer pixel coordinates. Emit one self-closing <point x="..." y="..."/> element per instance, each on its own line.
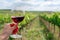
<point x="53" y="19"/>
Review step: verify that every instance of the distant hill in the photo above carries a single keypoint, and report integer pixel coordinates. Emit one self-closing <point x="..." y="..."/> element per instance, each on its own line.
<point x="5" y="10"/>
<point x="9" y="11"/>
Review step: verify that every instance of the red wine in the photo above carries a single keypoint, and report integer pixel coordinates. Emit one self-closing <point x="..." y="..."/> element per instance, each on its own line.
<point x="17" y="19"/>
<point x="15" y="30"/>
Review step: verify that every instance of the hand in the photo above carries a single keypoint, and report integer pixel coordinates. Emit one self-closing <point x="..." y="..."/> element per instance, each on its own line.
<point x="7" y="30"/>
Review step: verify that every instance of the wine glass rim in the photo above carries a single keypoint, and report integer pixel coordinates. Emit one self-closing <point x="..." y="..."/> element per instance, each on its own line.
<point x="16" y="16"/>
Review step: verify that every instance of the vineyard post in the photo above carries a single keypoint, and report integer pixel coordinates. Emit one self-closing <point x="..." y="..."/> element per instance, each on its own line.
<point x="59" y="34"/>
<point x="54" y="28"/>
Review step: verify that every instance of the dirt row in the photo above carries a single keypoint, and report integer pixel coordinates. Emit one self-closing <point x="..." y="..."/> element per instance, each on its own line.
<point x="33" y="31"/>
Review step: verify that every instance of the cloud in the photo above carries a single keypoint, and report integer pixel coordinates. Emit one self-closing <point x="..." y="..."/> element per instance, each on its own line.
<point x="47" y="5"/>
<point x="5" y="4"/>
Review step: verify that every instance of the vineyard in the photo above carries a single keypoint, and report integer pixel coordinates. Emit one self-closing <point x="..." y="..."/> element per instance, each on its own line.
<point x="35" y="26"/>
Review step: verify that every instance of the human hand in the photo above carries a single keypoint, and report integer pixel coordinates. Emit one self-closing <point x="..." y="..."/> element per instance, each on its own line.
<point x="7" y="30"/>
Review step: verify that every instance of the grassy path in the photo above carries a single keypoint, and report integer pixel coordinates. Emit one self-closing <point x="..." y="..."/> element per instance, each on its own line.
<point x="33" y="31"/>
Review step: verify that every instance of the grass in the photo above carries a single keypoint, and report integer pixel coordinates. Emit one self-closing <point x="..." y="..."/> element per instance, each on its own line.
<point x="33" y="31"/>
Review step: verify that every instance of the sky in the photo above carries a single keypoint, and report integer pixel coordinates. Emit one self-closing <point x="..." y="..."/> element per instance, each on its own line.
<point x="31" y="5"/>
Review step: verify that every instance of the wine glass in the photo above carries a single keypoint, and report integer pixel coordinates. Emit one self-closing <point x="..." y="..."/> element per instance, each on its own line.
<point x="16" y="19"/>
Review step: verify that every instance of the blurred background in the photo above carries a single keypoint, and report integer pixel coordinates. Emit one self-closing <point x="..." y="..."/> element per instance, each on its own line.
<point x="41" y="18"/>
